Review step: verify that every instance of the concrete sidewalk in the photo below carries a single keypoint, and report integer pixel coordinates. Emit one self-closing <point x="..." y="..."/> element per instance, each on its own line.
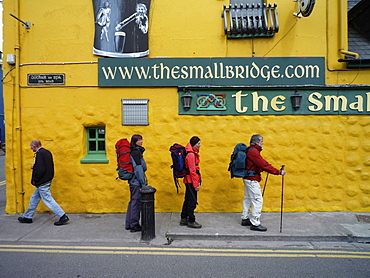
<point x="109" y="228"/>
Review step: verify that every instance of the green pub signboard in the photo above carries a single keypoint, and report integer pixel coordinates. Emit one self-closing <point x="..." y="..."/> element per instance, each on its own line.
<point x="240" y="85"/>
<point x="241" y="71"/>
<point x="262" y="101"/>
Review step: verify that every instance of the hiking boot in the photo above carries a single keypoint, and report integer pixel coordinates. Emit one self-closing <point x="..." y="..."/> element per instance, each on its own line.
<point x="259" y="228"/>
<point x="135" y="229"/>
<point x="246" y="222"/>
<point x="183" y="222"/>
<point x="24" y="220"/>
<point x="63" y="220"/>
<point x="194" y="224"/>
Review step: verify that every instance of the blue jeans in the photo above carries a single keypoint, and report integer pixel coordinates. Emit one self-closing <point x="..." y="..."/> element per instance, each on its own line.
<point x="43" y="192"/>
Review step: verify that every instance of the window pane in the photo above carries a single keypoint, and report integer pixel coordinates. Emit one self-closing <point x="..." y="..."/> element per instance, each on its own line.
<point x="101" y="133"/>
<point x="92" y="133"/>
<point x="101" y="146"/>
<point x="92" y="146"/>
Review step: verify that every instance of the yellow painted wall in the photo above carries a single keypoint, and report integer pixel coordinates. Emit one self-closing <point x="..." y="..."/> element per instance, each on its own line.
<point x="327" y="157"/>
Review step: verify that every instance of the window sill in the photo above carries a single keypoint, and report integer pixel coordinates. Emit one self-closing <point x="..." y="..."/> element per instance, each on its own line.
<point x="245" y="36"/>
<point x="356" y="63"/>
<point x="94" y="158"/>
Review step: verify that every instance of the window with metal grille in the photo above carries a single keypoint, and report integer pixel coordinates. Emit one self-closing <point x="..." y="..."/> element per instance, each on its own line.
<point x="95" y="143"/>
<point x="250" y="18"/>
<point x="135" y="112"/>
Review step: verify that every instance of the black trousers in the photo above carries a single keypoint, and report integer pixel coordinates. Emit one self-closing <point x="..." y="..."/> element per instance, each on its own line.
<point x="190" y="203"/>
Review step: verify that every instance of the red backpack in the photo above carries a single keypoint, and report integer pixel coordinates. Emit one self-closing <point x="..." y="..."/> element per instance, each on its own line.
<point x="124" y="166"/>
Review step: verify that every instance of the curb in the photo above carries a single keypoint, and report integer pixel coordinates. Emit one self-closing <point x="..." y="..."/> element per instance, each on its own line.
<point x="241" y="237"/>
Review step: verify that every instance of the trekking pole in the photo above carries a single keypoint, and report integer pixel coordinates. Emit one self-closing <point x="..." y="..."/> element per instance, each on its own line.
<point x="264" y="187"/>
<point x="282" y="199"/>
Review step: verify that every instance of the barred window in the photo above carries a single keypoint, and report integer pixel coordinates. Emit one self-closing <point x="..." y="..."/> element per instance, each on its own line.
<point x="135" y="112"/>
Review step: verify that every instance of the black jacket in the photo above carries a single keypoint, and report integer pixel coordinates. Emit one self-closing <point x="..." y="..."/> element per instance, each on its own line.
<point x="43" y="169"/>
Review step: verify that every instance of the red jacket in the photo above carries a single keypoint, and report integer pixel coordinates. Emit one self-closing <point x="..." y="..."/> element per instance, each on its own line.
<point x="256" y="163"/>
<point x="192" y="163"/>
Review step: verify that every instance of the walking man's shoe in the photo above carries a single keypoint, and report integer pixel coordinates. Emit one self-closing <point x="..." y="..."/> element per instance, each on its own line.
<point x="24" y="220"/>
<point x="183" y="222"/>
<point x="194" y="224"/>
<point x="63" y="220"/>
<point x="258" y="228"/>
<point x="246" y="222"/>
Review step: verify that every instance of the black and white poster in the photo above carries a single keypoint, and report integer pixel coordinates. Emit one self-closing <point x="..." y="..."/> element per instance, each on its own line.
<point x="121" y="28"/>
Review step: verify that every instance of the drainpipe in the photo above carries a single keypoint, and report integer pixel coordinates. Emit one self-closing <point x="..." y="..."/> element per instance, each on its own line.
<point x="18" y="136"/>
<point x="17" y="130"/>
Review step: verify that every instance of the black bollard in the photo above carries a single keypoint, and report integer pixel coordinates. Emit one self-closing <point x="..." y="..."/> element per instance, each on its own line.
<point x="147" y="213"/>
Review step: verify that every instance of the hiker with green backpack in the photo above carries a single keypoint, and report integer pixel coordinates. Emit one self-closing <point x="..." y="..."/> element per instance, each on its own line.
<point x="247" y="163"/>
<point x="255" y="164"/>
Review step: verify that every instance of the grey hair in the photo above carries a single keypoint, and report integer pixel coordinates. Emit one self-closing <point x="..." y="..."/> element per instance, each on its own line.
<point x="255" y="138"/>
<point x="36" y="143"/>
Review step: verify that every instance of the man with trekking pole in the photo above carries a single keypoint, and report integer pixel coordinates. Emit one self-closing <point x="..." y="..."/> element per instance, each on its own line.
<point x="255" y="164"/>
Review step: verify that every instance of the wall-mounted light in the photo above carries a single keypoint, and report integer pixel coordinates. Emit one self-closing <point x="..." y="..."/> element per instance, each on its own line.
<point x="27" y="24"/>
<point x="186" y="100"/>
<point x="296" y="99"/>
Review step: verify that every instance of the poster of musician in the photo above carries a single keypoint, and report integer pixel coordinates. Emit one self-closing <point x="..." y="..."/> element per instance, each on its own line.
<point x="121" y="28"/>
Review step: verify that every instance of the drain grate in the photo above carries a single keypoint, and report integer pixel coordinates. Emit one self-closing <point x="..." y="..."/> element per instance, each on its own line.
<point x="363" y="218"/>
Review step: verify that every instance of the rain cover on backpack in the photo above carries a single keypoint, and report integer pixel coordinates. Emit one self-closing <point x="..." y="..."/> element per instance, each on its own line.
<point x="124" y="166"/>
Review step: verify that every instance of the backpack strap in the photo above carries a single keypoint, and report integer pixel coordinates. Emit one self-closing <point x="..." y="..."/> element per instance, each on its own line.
<point x="176" y="181"/>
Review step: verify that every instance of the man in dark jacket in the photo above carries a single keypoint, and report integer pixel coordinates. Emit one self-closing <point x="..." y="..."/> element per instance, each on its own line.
<point x="42" y="176"/>
<point x="255" y="164"/>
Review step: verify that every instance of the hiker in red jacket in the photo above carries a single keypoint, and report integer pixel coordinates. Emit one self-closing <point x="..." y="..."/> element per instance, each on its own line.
<point x="192" y="182"/>
<point x="255" y="164"/>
